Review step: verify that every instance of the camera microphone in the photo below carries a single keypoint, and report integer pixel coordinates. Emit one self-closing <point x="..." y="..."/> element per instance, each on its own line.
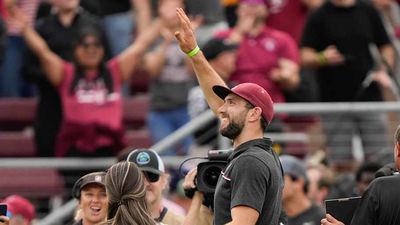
<point x="219" y="154"/>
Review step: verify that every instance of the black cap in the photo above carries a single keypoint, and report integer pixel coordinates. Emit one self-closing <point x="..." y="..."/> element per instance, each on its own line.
<point x="293" y="166"/>
<point x="216" y="46"/>
<point x="147" y="160"/>
<point x="91" y="178"/>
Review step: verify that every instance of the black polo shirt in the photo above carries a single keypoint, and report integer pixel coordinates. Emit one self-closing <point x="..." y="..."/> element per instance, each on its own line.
<point x="380" y="204"/>
<point x="252" y="178"/>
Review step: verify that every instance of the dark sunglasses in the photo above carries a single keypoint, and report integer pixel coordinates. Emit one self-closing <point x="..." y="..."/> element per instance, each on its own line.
<point x="151" y="177"/>
<point x="95" y="44"/>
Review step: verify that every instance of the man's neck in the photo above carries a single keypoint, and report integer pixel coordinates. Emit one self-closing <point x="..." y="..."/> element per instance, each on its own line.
<point x="247" y="136"/>
<point x="297" y="205"/>
<point x="66" y="17"/>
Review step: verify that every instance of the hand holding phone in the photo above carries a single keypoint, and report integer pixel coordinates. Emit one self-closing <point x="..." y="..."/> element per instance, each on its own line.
<point x="3" y="213"/>
<point x="3" y="209"/>
<point x="4" y="220"/>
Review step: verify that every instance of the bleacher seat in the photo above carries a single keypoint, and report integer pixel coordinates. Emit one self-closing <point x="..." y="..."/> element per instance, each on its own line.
<point x="138" y="138"/>
<point x="17" y="140"/>
<point x="34" y="183"/>
<point x="17" y="144"/>
<point x="18" y="114"/>
<point x="135" y="111"/>
<point x="139" y="82"/>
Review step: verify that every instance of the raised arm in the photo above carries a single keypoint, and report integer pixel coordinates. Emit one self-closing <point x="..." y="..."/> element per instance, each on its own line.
<point x="130" y="57"/>
<point x="51" y="63"/>
<point x="205" y="74"/>
<point x="143" y="15"/>
<point x="154" y="61"/>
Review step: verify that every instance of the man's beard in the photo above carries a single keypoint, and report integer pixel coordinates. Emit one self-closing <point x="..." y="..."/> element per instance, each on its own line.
<point x="232" y="130"/>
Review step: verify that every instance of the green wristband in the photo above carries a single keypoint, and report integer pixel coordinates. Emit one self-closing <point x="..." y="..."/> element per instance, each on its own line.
<point x="193" y="52"/>
<point x="322" y="59"/>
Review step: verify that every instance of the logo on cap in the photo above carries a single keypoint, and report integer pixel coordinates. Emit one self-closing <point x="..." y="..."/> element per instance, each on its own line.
<point x="143" y="158"/>
<point x="97" y="178"/>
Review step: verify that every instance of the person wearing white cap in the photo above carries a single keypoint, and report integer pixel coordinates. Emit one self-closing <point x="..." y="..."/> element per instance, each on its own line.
<point x="90" y="191"/>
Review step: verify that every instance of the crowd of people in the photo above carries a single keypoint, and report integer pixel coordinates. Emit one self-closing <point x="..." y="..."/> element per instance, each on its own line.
<point x="81" y="55"/>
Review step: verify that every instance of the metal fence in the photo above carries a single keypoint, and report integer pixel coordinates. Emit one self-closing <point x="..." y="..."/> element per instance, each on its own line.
<point x="304" y="109"/>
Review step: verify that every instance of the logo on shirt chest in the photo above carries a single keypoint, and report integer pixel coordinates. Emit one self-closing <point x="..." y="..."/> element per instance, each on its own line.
<point x="269" y="44"/>
<point x="93" y="92"/>
<point x="224" y="173"/>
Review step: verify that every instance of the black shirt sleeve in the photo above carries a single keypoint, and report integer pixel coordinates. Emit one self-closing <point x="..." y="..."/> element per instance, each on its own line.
<point x="366" y="211"/>
<point x="31" y="68"/>
<point x="380" y="35"/>
<point x="249" y="182"/>
<point x="312" y="33"/>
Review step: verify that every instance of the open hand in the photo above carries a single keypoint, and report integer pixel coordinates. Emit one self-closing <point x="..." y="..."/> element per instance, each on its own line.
<point x="333" y="55"/>
<point x="18" y="17"/>
<point x="330" y="220"/>
<point x="185" y="35"/>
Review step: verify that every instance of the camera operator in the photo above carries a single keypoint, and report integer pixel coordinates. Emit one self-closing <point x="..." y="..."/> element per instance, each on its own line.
<point x="380" y="203"/>
<point x="249" y="189"/>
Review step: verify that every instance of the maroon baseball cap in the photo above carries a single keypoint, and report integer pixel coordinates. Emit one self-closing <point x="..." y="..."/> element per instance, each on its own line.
<point x="253" y="93"/>
<point x="18" y="205"/>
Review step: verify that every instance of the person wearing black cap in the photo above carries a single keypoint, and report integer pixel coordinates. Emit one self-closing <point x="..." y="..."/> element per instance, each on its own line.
<point x="249" y="189"/>
<point x="90" y="191"/>
<point x="298" y="207"/>
<point x="156" y="181"/>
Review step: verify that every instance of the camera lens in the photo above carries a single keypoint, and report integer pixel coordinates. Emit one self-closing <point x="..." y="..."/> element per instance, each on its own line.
<point x="211" y="175"/>
<point x="208" y="174"/>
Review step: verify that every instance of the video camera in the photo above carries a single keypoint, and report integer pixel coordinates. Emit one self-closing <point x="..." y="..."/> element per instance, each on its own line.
<point x="209" y="171"/>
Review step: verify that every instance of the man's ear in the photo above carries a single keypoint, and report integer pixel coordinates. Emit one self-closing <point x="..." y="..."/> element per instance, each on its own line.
<point x="255" y="114"/>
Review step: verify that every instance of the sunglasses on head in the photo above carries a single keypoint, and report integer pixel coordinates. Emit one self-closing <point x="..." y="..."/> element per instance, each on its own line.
<point x="151" y="177"/>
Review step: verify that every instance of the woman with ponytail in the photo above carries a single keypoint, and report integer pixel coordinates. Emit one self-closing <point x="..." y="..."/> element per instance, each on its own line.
<point x="127" y="196"/>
